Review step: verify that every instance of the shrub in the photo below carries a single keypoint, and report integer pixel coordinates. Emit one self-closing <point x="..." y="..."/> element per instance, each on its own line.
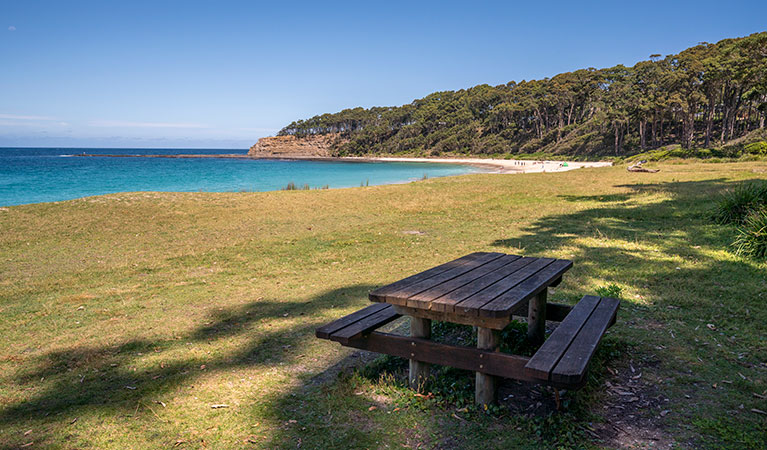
<point x="734" y="206"/>
<point x="756" y="148"/>
<point x="611" y="290"/>
<point x="752" y="235"/>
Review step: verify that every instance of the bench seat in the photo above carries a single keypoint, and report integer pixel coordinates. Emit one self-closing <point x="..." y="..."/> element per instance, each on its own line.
<point x="358" y="323"/>
<point x="565" y="355"/>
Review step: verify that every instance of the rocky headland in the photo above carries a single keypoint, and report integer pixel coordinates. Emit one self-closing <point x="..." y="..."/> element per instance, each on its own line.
<point x="295" y="147"/>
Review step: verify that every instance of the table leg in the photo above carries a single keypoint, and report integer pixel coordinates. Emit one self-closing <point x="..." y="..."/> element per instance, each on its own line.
<point x="419" y="371"/>
<point x="484" y="393"/>
<point x="536" y="318"/>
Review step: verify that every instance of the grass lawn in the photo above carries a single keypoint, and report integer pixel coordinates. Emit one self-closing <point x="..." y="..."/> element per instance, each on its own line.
<point x="126" y="317"/>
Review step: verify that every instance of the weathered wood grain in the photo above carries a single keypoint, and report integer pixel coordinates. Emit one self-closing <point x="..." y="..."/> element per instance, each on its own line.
<point x="571" y="369"/>
<point x="424" y="299"/>
<point x="549" y="354"/>
<point x="400" y="296"/>
<point x="325" y="331"/>
<point x="467" y="358"/>
<point x="448" y="301"/>
<point x="364" y="325"/>
<point x="473" y="304"/>
<point x="380" y="294"/>
<point x="504" y="304"/>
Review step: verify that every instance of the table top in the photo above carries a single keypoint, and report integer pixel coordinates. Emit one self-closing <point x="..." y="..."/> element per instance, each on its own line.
<point x="482" y="284"/>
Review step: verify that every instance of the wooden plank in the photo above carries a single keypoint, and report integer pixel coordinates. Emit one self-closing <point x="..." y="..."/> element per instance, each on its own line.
<point x="400" y="296"/>
<point x="325" y="331"/>
<point x="549" y="354"/>
<point x="365" y="325"/>
<point x="441" y="316"/>
<point x="379" y="294"/>
<point x="505" y="304"/>
<point x="467" y="358"/>
<point x="424" y="299"/>
<point x="571" y="369"/>
<point x="473" y="304"/>
<point x="448" y="301"/>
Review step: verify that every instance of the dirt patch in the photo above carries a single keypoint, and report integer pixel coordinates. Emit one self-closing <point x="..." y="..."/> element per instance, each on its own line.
<point x="633" y="411"/>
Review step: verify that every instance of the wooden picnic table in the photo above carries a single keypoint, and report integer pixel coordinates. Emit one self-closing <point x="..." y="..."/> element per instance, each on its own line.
<point x="481" y="289"/>
<point x="486" y="290"/>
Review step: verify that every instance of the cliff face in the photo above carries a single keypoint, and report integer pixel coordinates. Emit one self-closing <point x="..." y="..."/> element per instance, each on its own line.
<point x="295" y="147"/>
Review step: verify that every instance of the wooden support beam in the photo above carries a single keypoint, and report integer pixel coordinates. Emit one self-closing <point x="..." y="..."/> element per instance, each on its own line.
<point x="466" y="358"/>
<point x="441" y="316"/>
<point x="419" y="371"/>
<point x="536" y="317"/>
<point x="484" y="393"/>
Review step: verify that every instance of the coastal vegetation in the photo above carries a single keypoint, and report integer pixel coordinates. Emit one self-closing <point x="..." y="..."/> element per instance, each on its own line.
<point x="707" y="100"/>
<point x="186" y="320"/>
<point x="746" y="207"/>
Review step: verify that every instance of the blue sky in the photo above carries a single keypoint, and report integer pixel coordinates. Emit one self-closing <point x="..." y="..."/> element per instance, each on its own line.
<point x="222" y="74"/>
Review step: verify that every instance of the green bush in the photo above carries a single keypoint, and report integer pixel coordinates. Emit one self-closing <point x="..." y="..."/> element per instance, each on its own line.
<point x="734" y="206"/>
<point x="752" y="235"/>
<point x="756" y="148"/>
<point x="611" y="290"/>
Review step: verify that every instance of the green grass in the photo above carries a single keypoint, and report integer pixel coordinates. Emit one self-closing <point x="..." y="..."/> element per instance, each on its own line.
<point x="125" y="317"/>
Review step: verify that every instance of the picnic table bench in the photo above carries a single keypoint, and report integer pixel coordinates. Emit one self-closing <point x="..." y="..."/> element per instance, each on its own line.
<point x="484" y="289"/>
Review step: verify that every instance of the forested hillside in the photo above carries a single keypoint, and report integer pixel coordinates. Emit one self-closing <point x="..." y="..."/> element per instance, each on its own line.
<point x="703" y="97"/>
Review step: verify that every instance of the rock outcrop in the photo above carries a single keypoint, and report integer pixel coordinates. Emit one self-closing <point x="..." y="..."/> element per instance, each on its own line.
<point x="296" y="147"/>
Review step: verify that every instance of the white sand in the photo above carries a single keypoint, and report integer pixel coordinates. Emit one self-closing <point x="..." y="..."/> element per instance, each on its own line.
<point x="505" y="165"/>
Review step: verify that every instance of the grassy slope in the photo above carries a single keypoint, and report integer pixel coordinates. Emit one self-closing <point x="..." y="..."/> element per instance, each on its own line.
<point x="126" y="316"/>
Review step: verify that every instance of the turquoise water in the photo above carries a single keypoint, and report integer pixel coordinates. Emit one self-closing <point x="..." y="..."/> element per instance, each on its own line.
<point x="32" y="175"/>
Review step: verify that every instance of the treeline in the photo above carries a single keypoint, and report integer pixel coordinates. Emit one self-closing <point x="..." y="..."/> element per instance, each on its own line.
<point x="702" y="97"/>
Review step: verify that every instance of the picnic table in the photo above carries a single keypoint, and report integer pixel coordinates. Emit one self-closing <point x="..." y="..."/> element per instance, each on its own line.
<point x="485" y="290"/>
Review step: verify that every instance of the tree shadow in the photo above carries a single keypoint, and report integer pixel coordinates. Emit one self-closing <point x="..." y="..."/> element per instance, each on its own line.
<point x="83" y="378"/>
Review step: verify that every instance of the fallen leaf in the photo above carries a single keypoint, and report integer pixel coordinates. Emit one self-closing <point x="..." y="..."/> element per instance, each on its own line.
<point x="372" y="408"/>
<point x="711" y="326"/>
<point x="73" y="421"/>
<point x="26" y="433"/>
<point x="219" y="406"/>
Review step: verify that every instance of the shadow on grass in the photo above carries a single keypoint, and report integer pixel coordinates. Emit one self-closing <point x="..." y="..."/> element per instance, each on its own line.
<point x="83" y="379"/>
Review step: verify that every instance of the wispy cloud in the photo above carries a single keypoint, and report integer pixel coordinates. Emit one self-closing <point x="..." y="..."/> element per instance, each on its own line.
<point x="128" y="124"/>
<point x="11" y="28"/>
<point x="23" y="117"/>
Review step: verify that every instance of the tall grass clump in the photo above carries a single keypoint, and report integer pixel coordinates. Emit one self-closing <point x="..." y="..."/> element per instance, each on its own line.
<point x="752" y="235"/>
<point x="294" y="187"/>
<point x="736" y="205"/>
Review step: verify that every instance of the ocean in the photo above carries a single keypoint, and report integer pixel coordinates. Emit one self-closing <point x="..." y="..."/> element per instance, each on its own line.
<point x="33" y="175"/>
